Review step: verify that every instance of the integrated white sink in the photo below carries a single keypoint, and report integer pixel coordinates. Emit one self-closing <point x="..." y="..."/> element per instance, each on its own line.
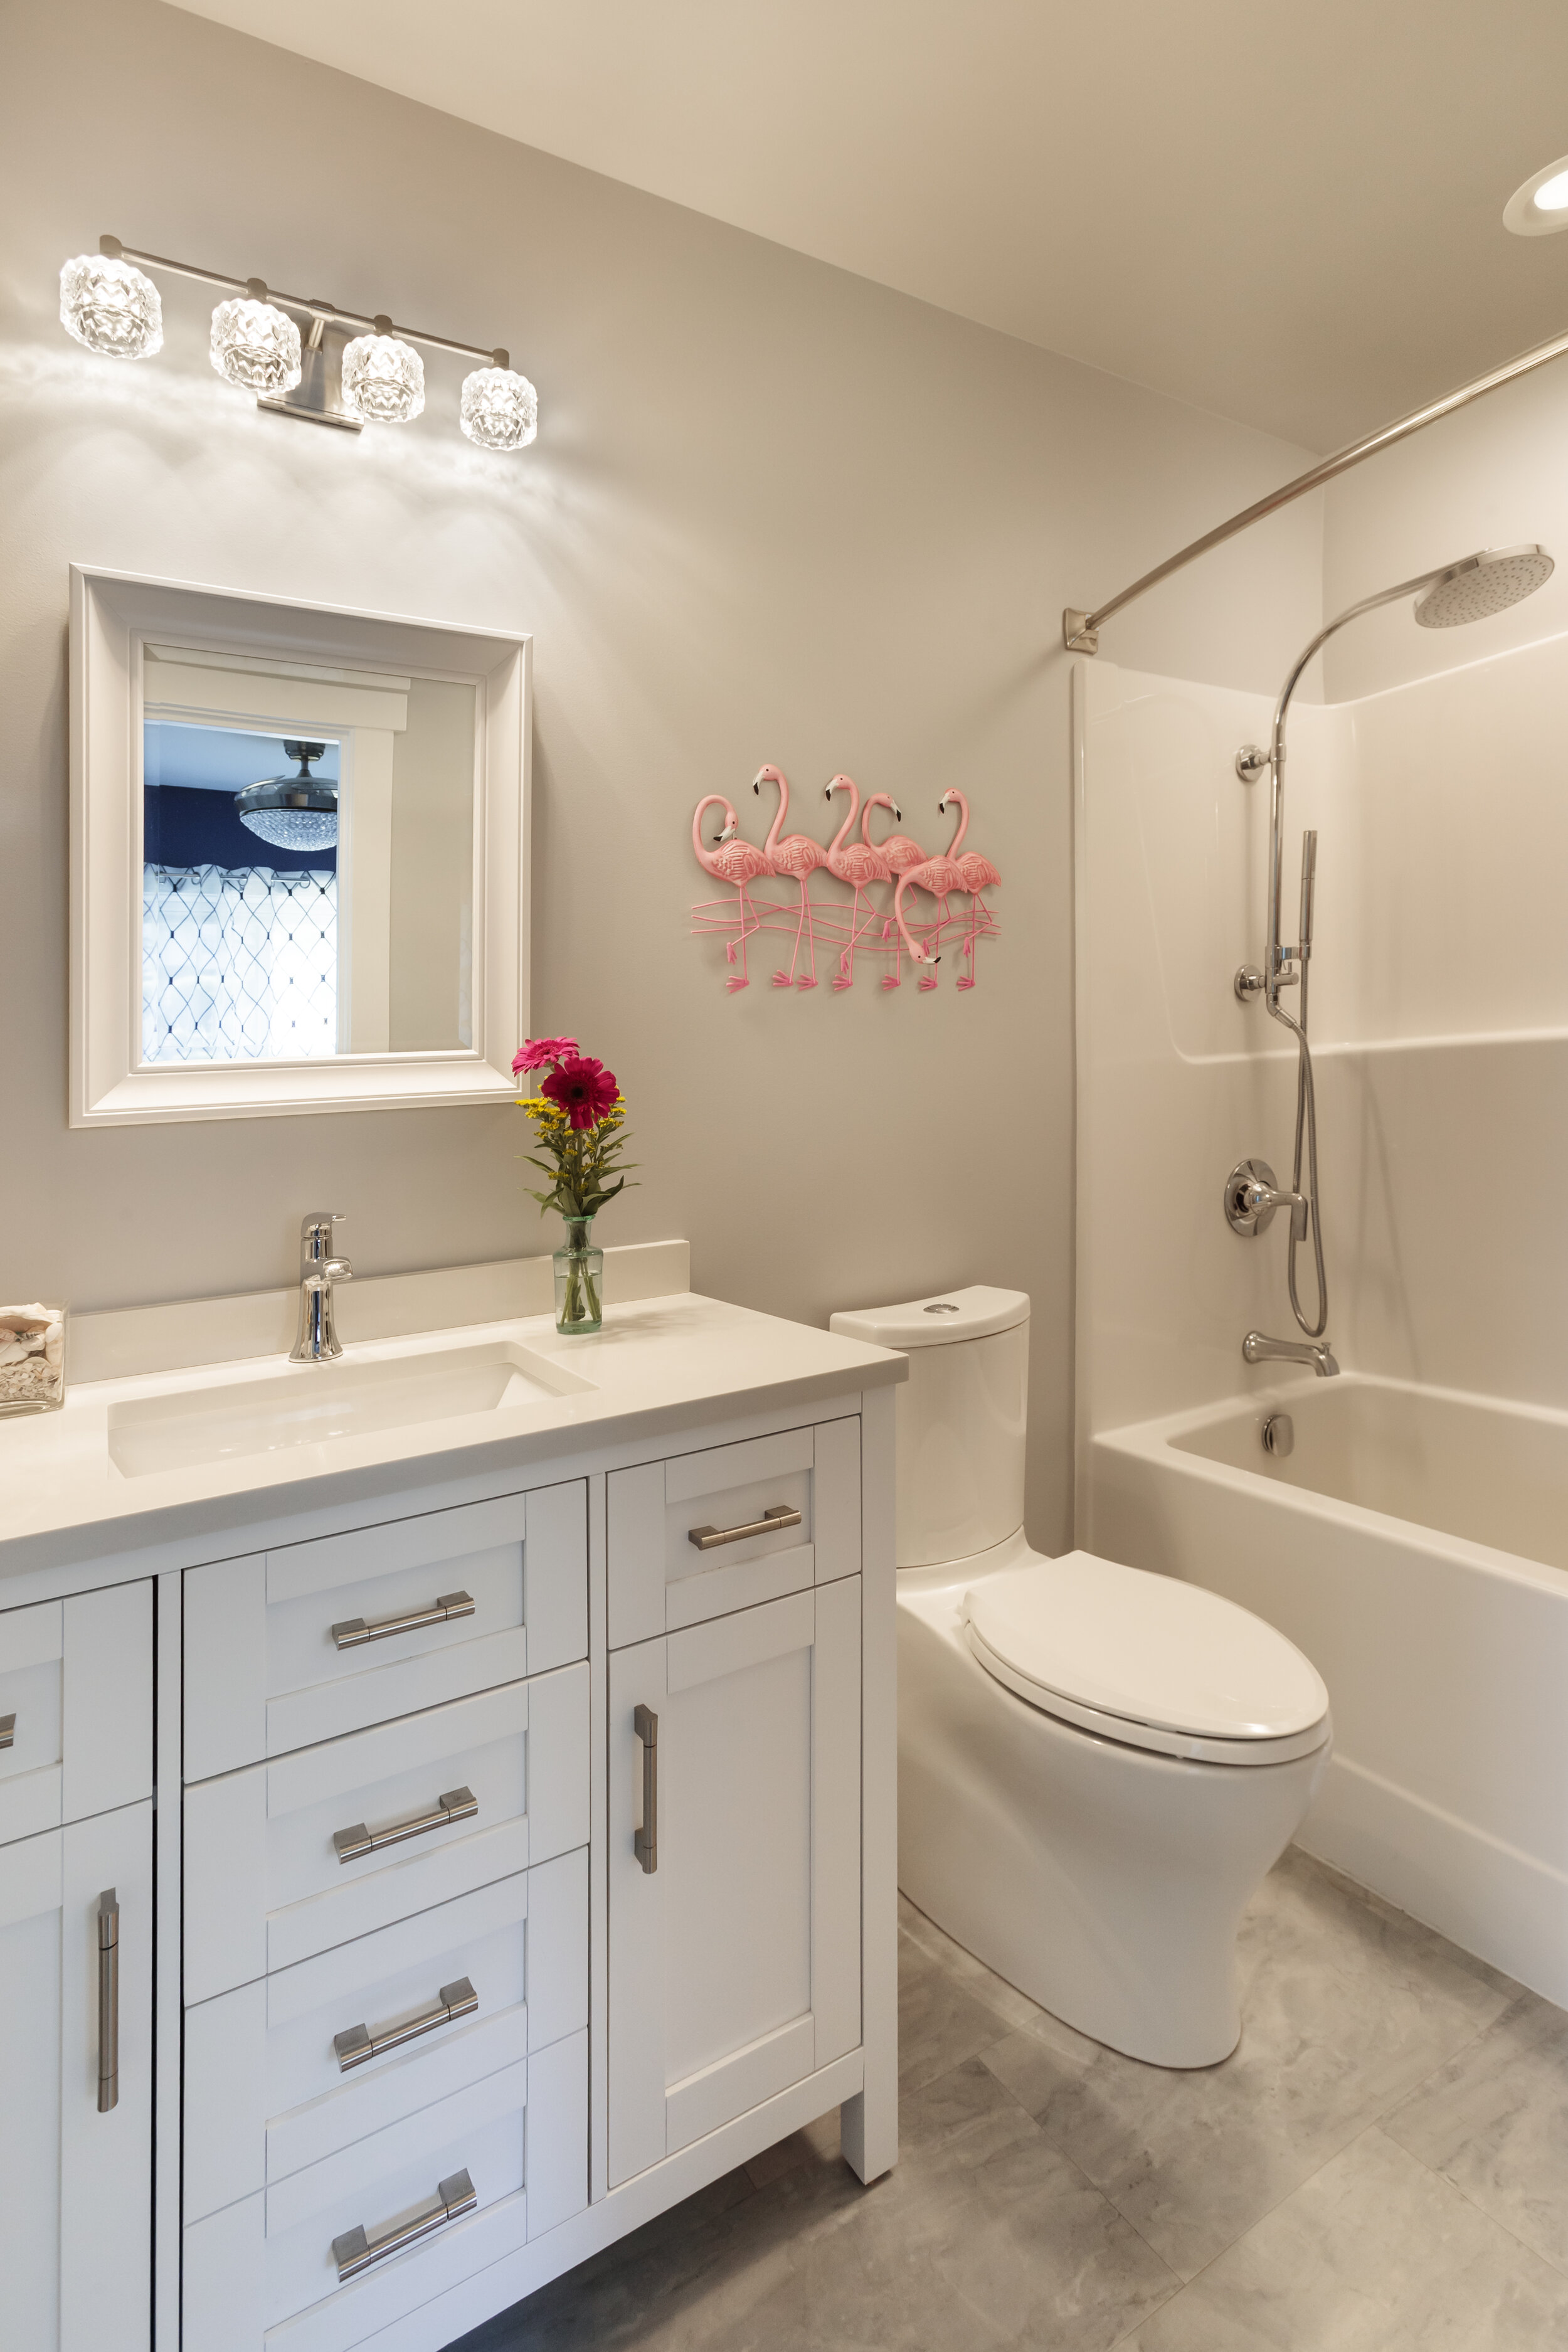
<point x="305" y="1404"/>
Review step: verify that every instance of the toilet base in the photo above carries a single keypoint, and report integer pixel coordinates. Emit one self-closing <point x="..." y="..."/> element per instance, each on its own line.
<point x="1105" y="1882"/>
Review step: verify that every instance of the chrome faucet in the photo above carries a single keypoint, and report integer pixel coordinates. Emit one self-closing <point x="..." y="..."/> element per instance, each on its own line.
<point x="316" y="1342"/>
<point x="1258" y="1349"/>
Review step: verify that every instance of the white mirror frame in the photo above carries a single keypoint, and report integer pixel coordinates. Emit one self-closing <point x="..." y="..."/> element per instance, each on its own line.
<point x="112" y="613"/>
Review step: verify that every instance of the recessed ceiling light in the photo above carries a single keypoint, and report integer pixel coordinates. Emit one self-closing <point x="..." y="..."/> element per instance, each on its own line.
<point x="1540" y="208"/>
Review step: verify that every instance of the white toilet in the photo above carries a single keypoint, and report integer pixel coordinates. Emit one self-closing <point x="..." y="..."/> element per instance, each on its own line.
<point x="1096" y="1766"/>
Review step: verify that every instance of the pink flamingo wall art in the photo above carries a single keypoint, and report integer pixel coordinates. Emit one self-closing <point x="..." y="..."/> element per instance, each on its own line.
<point x="798" y="857"/>
<point x="978" y="873"/>
<point x="856" y="863"/>
<point x="856" y="924"/>
<point x="736" y="861"/>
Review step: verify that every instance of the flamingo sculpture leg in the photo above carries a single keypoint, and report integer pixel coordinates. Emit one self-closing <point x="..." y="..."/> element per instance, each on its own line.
<point x="900" y="853"/>
<point x="732" y="859"/>
<point x="856" y="863"/>
<point x="798" y="857"/>
<point x="979" y="874"/>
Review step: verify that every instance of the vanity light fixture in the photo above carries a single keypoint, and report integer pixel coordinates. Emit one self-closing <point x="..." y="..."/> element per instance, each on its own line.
<point x="1539" y="208"/>
<point x="112" y="307"/>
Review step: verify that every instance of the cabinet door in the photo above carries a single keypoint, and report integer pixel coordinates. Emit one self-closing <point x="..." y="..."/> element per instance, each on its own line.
<point x="735" y="1958"/>
<point x="75" y="2180"/>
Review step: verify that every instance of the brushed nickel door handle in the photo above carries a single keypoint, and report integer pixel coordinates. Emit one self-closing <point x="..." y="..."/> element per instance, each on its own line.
<point x="358" y="2250"/>
<point x="353" y="1632"/>
<point x="777" y="1515"/>
<point x="108" y="2001"/>
<point x="8" y="1731"/>
<point x="357" y="2045"/>
<point x="645" y="1841"/>
<point x="457" y="1805"/>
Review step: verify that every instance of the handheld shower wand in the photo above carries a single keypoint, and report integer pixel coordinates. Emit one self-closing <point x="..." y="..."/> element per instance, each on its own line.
<point x="1470" y="590"/>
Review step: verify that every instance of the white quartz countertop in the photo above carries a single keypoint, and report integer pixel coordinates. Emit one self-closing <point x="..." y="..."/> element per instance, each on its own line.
<point x="657" y="1366"/>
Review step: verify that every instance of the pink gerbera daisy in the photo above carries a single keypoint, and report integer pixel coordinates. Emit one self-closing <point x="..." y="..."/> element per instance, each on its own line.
<point x="540" y="1052"/>
<point x="582" y="1088"/>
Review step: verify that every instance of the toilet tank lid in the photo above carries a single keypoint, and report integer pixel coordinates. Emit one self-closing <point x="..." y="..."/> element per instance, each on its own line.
<point x="936" y="1320"/>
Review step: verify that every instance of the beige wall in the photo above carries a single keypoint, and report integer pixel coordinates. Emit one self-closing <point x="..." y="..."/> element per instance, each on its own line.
<point x="776" y="512"/>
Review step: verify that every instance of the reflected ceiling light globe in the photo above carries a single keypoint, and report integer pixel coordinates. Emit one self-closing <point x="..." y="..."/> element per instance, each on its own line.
<point x="110" y="306"/>
<point x="383" y="380"/>
<point x="499" y="408"/>
<point x="298" y="811"/>
<point x="256" y="346"/>
<point x="1553" y="195"/>
<point x="288" y="828"/>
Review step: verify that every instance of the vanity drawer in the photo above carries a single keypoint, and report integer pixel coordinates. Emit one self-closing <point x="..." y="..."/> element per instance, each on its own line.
<point x="75" y="1677"/>
<point x="660" y="1578"/>
<point x="267" y="2090"/>
<point x="300" y="1644"/>
<point x="267" y="1883"/>
<point x="263" y="2272"/>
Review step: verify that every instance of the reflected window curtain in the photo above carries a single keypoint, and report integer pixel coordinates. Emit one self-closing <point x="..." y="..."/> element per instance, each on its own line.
<point x="239" y="964"/>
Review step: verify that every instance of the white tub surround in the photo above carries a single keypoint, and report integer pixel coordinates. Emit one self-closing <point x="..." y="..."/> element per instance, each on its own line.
<point x="518" y="1863"/>
<point x="1411" y="1545"/>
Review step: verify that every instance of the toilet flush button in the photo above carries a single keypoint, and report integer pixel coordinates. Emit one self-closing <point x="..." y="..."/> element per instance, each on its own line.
<point x="943" y="1307"/>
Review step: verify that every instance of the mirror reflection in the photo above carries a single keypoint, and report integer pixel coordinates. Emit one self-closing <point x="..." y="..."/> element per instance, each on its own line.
<point x="308" y="860"/>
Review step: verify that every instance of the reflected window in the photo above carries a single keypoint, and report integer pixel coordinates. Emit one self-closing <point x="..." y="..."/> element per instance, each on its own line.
<point x="239" y="936"/>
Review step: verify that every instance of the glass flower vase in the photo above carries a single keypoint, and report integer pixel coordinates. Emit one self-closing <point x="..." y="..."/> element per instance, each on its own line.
<point x="579" y="1279"/>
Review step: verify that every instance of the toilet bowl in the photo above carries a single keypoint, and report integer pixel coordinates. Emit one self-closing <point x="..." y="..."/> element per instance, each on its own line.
<point x="1096" y="1766"/>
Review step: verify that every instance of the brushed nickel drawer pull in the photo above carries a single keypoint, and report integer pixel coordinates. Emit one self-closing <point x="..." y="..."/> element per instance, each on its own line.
<point x="457" y="1805"/>
<point x="8" y="1731"/>
<point x="355" y="2251"/>
<point x="777" y="1515"/>
<point x="108" y="2001"/>
<point x="645" y="1841"/>
<point x="353" y="1632"/>
<point x="358" y="2046"/>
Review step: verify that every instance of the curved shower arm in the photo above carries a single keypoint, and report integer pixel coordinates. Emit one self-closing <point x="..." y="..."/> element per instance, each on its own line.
<point x="1274" y="960"/>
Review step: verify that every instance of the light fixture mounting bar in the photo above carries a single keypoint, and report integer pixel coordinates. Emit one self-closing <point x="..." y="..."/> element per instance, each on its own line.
<point x="314" y="308"/>
<point x="1081" y="630"/>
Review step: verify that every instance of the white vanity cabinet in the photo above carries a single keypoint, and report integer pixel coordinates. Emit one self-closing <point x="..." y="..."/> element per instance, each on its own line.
<point x="502" y="1846"/>
<point x="76" y="1971"/>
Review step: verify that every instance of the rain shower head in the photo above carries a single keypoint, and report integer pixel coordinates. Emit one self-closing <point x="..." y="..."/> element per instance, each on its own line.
<point x="1479" y="585"/>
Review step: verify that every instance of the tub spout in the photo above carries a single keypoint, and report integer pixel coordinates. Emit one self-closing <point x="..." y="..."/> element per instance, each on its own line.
<point x="1258" y="1349"/>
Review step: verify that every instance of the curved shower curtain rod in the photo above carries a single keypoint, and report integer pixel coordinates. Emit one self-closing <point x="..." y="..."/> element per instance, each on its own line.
<point x="1081" y="630"/>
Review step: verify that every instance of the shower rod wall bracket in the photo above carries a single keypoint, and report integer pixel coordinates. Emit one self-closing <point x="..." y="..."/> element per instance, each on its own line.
<point x="1252" y="761"/>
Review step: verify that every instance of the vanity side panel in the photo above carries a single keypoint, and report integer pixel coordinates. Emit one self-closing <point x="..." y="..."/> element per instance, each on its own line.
<point x="835" y="1499"/>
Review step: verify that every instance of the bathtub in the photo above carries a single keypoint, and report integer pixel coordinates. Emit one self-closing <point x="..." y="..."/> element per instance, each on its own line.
<point x="1414" y="1545"/>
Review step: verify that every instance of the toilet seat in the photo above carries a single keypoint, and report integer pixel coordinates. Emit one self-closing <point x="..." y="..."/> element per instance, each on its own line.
<point x="1148" y="1660"/>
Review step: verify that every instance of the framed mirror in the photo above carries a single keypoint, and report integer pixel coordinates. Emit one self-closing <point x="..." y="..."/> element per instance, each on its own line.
<point x="298" y="855"/>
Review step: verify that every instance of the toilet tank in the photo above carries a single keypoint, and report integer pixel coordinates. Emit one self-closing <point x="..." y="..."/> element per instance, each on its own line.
<point x="961" y="1416"/>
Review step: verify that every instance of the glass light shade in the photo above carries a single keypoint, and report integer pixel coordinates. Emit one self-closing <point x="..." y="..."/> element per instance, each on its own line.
<point x="1552" y="197"/>
<point x="256" y="346"/>
<point x="288" y="828"/>
<point x="111" y="307"/>
<point x="499" y="408"/>
<point x="383" y="380"/>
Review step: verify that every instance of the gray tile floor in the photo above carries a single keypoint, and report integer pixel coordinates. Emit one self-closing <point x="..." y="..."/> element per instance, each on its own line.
<point x="1383" y="2165"/>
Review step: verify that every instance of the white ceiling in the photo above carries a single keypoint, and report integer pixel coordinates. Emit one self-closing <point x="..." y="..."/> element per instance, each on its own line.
<point x="1288" y="211"/>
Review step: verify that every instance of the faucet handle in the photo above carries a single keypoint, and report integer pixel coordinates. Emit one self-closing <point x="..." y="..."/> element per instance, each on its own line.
<point x="316" y="1237"/>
